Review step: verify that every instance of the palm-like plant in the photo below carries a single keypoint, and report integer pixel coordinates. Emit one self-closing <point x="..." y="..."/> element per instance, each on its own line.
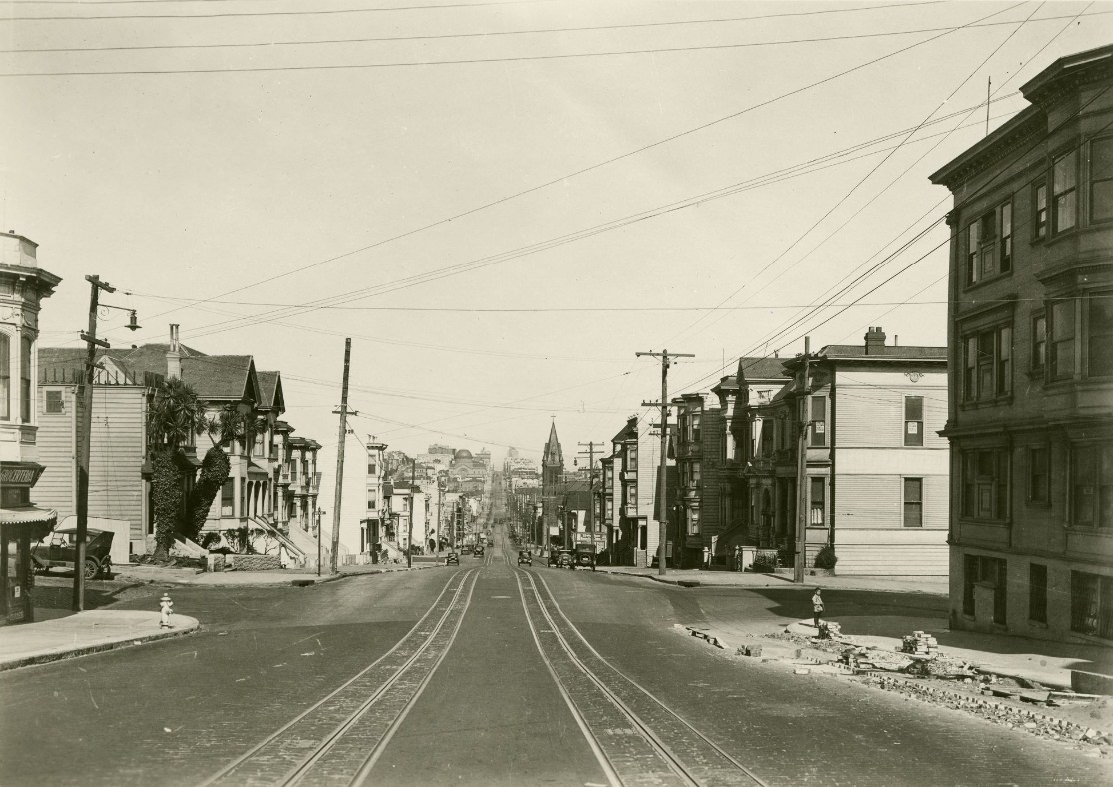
<point x="174" y="417"/>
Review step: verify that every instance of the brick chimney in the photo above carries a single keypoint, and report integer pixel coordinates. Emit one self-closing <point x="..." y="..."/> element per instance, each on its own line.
<point x="174" y="354"/>
<point x="875" y="340"/>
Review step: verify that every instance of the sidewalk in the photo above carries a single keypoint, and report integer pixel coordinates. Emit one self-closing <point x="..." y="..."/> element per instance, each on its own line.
<point x="93" y="631"/>
<point x="83" y="633"/>
<point x="1046" y="662"/>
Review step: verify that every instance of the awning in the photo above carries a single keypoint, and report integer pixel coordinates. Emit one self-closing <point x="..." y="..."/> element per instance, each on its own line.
<point x="256" y="470"/>
<point x="39" y="521"/>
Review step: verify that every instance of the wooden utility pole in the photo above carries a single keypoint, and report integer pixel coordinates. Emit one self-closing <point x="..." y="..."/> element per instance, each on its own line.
<point x="591" y="485"/>
<point x="343" y="435"/>
<point x="662" y="507"/>
<point x="84" y="436"/>
<point x="410" y="526"/>
<point x="802" y="473"/>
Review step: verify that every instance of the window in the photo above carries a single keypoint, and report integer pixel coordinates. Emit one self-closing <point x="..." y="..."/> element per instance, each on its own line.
<point x="54" y="402"/>
<point x="987" y="366"/>
<point x="1092" y="485"/>
<point x="989" y="244"/>
<point x="1064" y="192"/>
<point x="693" y="522"/>
<point x="5" y="377"/>
<point x="1099" y="335"/>
<point x="610" y="509"/>
<point x="371" y="468"/>
<point x="766" y="444"/>
<point x="985" y="483"/>
<point x="1101" y="179"/>
<point x="913" y="420"/>
<point x="632" y="456"/>
<point x="1039" y="475"/>
<point x="228" y="498"/>
<point x="1005" y="238"/>
<point x="694" y="424"/>
<point x="695" y="470"/>
<point x="25" y="380"/>
<point x="913" y="502"/>
<point x="818" y="421"/>
<point x="1091" y="604"/>
<point x="1039" y="342"/>
<point x="1062" y="340"/>
<point x="370" y="504"/>
<point x="1039" y="210"/>
<point x="989" y="571"/>
<point x="817" y="502"/>
<point x="1037" y="592"/>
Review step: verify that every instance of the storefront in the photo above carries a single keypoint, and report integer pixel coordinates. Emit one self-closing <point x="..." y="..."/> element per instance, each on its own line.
<point x="21" y="525"/>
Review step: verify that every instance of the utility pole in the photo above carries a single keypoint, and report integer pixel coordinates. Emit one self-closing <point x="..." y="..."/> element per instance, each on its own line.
<point x="801" y="473"/>
<point x="591" y="485"/>
<point x="82" y="535"/>
<point x="410" y="526"/>
<point x="340" y="458"/>
<point x="662" y="507"/>
<point x="440" y="517"/>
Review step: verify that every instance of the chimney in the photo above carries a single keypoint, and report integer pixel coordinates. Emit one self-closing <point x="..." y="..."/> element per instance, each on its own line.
<point x="875" y="341"/>
<point x="174" y="354"/>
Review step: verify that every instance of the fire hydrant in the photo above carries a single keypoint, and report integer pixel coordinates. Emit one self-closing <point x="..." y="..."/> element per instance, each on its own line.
<point x="167" y="608"/>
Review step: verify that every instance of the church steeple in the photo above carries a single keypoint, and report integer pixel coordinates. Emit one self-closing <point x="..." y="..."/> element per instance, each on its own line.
<point x="551" y="456"/>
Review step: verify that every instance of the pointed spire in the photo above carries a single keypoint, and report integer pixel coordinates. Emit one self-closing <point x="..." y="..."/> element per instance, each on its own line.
<point x="552" y="455"/>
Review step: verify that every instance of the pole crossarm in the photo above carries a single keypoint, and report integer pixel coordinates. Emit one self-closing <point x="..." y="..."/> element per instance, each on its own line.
<point x="662" y="509"/>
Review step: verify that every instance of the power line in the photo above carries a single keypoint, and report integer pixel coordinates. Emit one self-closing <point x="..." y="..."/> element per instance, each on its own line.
<point x="488" y="34"/>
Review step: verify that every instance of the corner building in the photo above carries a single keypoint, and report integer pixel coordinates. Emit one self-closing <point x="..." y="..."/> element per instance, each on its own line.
<point x="1030" y="343"/>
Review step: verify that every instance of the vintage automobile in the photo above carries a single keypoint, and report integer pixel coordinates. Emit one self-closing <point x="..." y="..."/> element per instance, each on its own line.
<point x="61" y="552"/>
<point x="452" y="557"/>
<point x="478" y="550"/>
<point x="564" y="558"/>
<point x="524" y="556"/>
<point x="584" y="556"/>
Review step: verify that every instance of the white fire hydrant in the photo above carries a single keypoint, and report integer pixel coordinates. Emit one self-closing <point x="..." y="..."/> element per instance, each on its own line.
<point x="167" y="608"/>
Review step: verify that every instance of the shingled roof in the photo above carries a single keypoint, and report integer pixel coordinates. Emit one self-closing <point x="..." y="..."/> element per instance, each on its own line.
<point x="270" y="391"/>
<point x="222" y="377"/>
<point x="911" y="353"/>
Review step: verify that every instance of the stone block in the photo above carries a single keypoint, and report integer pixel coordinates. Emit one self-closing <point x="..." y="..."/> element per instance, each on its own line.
<point x="1091" y="682"/>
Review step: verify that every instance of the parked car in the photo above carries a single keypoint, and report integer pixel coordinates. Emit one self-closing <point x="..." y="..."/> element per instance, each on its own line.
<point x="584" y="556"/>
<point x="61" y="552"/>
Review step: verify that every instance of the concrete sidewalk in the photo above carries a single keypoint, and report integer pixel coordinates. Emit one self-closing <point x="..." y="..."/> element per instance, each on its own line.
<point x="1045" y="662"/>
<point x="93" y="631"/>
<point x="83" y="633"/>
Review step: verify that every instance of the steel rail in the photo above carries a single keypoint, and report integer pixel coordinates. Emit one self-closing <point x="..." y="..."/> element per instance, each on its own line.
<point x="458" y="579"/>
<point x="304" y="769"/>
<point x="676" y="761"/>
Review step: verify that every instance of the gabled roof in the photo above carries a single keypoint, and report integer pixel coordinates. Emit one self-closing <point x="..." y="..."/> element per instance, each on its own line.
<point x="222" y="377"/>
<point x="764" y="368"/>
<point x="628" y="432"/>
<point x="270" y="389"/>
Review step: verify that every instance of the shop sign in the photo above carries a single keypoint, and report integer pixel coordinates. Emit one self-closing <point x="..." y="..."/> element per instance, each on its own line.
<point x="20" y="475"/>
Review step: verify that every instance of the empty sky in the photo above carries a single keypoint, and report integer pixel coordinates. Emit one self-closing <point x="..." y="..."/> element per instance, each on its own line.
<point x="501" y="202"/>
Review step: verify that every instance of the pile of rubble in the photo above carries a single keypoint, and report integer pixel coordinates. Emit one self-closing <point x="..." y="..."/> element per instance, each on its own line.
<point x="998" y="712"/>
<point x="920" y="643"/>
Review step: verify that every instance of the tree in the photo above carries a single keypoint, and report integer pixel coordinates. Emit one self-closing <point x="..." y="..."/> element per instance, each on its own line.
<point x="214" y="472"/>
<point x="174" y="417"/>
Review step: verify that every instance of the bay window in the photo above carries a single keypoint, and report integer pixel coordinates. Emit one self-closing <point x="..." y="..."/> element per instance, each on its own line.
<point x="1092" y="485"/>
<point x="5" y="377"/>
<point x="1064" y="191"/>
<point x="1062" y="339"/>
<point x="1101" y="180"/>
<point x="1099" y="335"/>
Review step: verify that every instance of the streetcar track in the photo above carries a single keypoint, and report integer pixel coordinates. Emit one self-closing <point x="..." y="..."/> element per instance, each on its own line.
<point x="288" y="755"/>
<point x="703" y="763"/>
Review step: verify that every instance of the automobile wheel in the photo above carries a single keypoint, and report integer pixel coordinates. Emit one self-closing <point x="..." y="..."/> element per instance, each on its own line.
<point x="92" y="568"/>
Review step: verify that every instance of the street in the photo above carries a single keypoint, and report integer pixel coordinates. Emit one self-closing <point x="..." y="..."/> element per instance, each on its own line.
<point x="492" y="686"/>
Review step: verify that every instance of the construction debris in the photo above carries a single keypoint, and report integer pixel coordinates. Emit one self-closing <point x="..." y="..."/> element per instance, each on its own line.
<point x="920" y="643"/>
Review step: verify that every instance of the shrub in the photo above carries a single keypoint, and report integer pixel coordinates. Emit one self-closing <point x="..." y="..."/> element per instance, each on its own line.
<point x="825" y="558"/>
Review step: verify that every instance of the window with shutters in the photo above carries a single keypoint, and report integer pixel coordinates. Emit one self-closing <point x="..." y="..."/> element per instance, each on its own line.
<point x="913" y="420"/>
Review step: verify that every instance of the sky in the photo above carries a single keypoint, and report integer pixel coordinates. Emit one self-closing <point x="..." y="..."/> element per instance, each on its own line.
<point x="500" y="203"/>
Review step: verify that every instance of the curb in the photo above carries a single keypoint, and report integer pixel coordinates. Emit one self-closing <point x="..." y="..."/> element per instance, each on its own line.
<point x="62" y="655"/>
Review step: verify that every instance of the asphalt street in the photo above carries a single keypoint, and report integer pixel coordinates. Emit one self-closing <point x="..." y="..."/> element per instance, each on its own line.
<point x="485" y="705"/>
